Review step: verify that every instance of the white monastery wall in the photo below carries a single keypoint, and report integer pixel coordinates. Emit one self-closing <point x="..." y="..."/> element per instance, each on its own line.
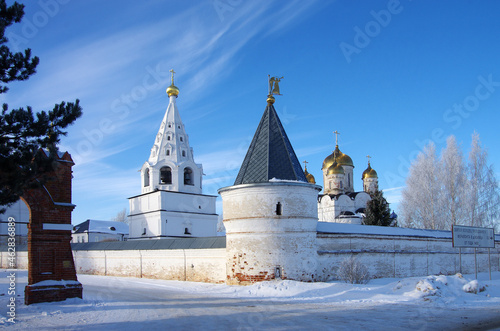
<point x="197" y="265"/>
<point x="399" y="256"/>
<point x="386" y="252"/>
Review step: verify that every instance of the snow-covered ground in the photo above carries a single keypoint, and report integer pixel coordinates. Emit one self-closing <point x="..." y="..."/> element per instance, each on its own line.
<point x="114" y="303"/>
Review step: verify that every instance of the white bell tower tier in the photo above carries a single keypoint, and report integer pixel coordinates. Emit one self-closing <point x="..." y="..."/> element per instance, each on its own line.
<point x="171" y="203"/>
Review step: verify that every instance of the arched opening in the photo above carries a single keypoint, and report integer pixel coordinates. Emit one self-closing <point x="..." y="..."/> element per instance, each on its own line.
<point x="166" y="175"/>
<point x="146" y="177"/>
<point x="188" y="176"/>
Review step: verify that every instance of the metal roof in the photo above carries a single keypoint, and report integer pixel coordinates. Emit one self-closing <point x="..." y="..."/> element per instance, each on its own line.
<point x="154" y="244"/>
<point x="270" y="154"/>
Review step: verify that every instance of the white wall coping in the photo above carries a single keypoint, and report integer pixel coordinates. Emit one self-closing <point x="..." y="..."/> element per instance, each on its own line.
<point x="337" y="228"/>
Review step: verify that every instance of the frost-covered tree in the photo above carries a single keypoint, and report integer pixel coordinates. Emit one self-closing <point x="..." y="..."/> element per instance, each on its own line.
<point x="420" y="205"/>
<point x="446" y="191"/>
<point x="377" y="210"/>
<point x="483" y="198"/>
<point x="453" y="180"/>
<point x="121" y="216"/>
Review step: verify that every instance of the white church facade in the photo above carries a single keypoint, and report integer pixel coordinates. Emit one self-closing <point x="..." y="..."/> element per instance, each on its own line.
<point x="339" y="203"/>
<point x="171" y="203"/>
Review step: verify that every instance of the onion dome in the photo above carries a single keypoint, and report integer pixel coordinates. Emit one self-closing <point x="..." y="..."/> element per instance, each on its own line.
<point x="172" y="90"/>
<point x="369" y="173"/>
<point x="310" y="178"/>
<point x="335" y="169"/>
<point x="339" y="157"/>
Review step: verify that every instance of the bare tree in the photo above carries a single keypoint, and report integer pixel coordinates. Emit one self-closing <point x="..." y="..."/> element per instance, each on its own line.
<point x="121" y="216"/>
<point x="420" y="206"/>
<point x="453" y="180"/>
<point x="483" y="198"/>
<point x="446" y="191"/>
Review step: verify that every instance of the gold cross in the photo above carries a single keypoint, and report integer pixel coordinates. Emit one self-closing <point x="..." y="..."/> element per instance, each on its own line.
<point x="368" y="157"/>
<point x="305" y="164"/>
<point x="173" y="72"/>
<point x="336" y="137"/>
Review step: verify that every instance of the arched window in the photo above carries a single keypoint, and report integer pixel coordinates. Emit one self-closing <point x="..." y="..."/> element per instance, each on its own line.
<point x="183" y="153"/>
<point x="188" y="176"/>
<point x="165" y="175"/>
<point x="168" y="152"/>
<point x="146" y="177"/>
<point x="181" y="139"/>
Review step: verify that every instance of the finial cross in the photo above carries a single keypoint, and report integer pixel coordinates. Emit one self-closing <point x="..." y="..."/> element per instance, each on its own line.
<point x="305" y="164"/>
<point x="336" y="137"/>
<point x="368" y="157"/>
<point x="173" y="72"/>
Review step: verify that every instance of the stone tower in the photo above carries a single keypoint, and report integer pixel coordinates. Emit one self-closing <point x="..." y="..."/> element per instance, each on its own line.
<point x="270" y="213"/>
<point x="172" y="203"/>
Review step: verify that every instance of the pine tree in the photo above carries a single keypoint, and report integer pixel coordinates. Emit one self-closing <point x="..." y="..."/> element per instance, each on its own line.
<point x="377" y="210"/>
<point x="23" y="133"/>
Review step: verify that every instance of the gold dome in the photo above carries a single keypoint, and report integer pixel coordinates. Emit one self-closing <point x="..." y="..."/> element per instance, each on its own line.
<point x="339" y="157"/>
<point x="310" y="178"/>
<point x="369" y="173"/>
<point x="335" y="169"/>
<point x="172" y="90"/>
<point x="270" y="99"/>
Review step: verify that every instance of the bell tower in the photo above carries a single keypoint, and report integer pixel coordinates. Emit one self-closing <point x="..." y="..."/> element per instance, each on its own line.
<point x="171" y="203"/>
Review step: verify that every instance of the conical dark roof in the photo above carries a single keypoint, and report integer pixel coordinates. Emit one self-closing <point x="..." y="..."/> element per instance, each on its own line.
<point x="270" y="154"/>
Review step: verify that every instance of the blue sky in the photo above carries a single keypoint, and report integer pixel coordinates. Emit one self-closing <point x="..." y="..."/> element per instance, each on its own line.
<point x="388" y="75"/>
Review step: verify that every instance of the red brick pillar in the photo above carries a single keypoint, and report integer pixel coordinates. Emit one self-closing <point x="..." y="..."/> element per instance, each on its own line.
<point x="51" y="268"/>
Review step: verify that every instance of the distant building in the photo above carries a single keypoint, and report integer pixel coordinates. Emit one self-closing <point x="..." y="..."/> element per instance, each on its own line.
<point x="95" y="231"/>
<point x="339" y="203"/>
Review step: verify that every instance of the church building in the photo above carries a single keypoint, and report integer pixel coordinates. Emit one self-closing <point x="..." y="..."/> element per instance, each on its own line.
<point x="339" y="203"/>
<point x="171" y="203"/>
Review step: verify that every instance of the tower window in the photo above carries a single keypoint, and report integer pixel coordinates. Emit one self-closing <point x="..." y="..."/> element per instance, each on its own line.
<point x="188" y="176"/>
<point x="168" y="152"/>
<point x="186" y="231"/>
<point x="278" y="208"/>
<point x="168" y="137"/>
<point x="184" y="153"/>
<point x="181" y="139"/>
<point x="165" y="175"/>
<point x="146" y="177"/>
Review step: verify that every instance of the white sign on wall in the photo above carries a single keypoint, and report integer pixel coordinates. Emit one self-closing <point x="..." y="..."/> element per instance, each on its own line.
<point x="468" y="236"/>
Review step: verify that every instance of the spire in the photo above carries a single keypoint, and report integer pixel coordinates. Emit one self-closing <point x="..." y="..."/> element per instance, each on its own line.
<point x="270" y="154"/>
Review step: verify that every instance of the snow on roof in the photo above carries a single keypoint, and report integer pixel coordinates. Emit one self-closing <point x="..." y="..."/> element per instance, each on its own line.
<point x="329" y="227"/>
<point x="111" y="227"/>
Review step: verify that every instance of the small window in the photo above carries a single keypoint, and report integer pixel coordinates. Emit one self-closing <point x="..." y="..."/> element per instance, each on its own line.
<point x="144" y="232"/>
<point x="169" y="125"/>
<point x="183" y="153"/>
<point x="186" y="231"/>
<point x="181" y="139"/>
<point x="178" y="126"/>
<point x="168" y="137"/>
<point x="168" y="152"/>
<point x="278" y="208"/>
<point x="112" y="228"/>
